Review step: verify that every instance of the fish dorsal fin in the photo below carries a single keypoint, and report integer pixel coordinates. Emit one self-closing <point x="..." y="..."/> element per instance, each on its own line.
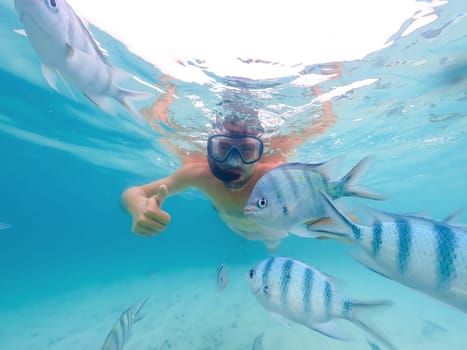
<point x="454" y="216"/>
<point x="329" y="168"/>
<point x="377" y="215"/>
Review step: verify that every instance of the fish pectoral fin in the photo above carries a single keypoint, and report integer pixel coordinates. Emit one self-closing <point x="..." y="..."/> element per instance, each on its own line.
<point x="20" y="32"/>
<point x="103" y="102"/>
<point x="272" y="244"/>
<point x="281" y="319"/>
<point x="369" y="263"/>
<point x="50" y="76"/>
<point x="301" y="230"/>
<point x="329" y="329"/>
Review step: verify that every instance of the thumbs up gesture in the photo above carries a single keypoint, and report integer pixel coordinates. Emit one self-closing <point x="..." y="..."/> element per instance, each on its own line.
<point x="148" y="217"/>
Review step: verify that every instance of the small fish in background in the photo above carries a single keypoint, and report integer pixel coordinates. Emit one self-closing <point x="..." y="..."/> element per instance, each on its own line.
<point x="303" y="294"/>
<point x="424" y="254"/>
<point x="288" y="196"/>
<point x="121" y="330"/>
<point x="221" y="277"/>
<point x="68" y="51"/>
<point x="258" y="343"/>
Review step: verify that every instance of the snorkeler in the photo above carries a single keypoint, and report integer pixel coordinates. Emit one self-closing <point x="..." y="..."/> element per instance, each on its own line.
<point x="234" y="163"/>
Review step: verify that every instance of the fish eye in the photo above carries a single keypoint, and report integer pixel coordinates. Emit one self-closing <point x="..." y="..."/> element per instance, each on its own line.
<point x="52" y="4"/>
<point x="252" y="273"/>
<point x="262" y="203"/>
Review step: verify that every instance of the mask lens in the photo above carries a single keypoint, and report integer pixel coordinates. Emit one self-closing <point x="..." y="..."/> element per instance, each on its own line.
<point x="250" y="148"/>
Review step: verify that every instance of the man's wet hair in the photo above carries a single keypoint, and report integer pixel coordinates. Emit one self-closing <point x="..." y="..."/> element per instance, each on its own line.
<point x="238" y="119"/>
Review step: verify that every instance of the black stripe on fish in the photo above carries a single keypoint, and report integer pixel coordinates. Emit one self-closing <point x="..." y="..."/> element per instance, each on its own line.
<point x="280" y="197"/>
<point x="292" y="183"/>
<point x="405" y="243"/>
<point x="347" y="308"/>
<point x="307" y="288"/>
<point x="266" y="271"/>
<point x="377" y="237"/>
<point x="327" y="293"/>
<point x="285" y="279"/>
<point x="446" y="255"/>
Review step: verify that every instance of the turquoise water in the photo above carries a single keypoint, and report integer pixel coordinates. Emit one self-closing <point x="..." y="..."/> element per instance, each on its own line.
<point x="69" y="264"/>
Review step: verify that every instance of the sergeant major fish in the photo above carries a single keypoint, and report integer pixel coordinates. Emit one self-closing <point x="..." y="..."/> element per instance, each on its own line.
<point x="307" y="296"/>
<point x="288" y="196"/>
<point x="427" y="255"/>
<point x="68" y="50"/>
<point x="120" y="332"/>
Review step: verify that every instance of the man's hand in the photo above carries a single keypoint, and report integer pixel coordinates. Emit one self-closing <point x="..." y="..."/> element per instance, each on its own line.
<point x="148" y="217"/>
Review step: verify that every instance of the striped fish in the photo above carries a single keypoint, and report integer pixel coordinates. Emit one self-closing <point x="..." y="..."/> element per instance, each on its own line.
<point x="288" y="196"/>
<point x="68" y="51"/>
<point x="426" y="255"/>
<point x="307" y="296"/>
<point x="221" y="277"/>
<point x="120" y="332"/>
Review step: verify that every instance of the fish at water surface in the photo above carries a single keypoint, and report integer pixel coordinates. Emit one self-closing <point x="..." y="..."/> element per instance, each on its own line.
<point x="424" y="254"/>
<point x="288" y="196"/>
<point x="68" y="50"/>
<point x="307" y="296"/>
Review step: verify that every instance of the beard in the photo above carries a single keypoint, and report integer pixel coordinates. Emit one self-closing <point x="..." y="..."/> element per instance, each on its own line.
<point x="231" y="177"/>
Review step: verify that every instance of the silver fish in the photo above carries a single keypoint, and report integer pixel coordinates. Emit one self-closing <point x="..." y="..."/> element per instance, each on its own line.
<point x="258" y="343"/>
<point x="221" y="277"/>
<point x="307" y="296"/>
<point x="426" y="255"/>
<point x="120" y="332"/>
<point x="288" y="196"/>
<point x="68" y="50"/>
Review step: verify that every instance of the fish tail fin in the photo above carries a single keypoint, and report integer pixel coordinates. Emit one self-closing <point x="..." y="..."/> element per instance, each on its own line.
<point x="340" y="227"/>
<point x="136" y="309"/>
<point x="128" y="97"/>
<point x="360" y="315"/>
<point x="347" y="183"/>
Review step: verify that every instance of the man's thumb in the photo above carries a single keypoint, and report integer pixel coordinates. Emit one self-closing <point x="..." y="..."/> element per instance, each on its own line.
<point x="162" y="194"/>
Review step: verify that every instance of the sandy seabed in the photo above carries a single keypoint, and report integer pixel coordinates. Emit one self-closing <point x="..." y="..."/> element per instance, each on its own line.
<point x="186" y="311"/>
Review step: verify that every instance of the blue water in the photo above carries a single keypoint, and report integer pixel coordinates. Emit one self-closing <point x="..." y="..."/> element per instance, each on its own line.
<point x="65" y="164"/>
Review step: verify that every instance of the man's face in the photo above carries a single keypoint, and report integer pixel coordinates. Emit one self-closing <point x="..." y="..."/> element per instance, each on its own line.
<point x="233" y="158"/>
